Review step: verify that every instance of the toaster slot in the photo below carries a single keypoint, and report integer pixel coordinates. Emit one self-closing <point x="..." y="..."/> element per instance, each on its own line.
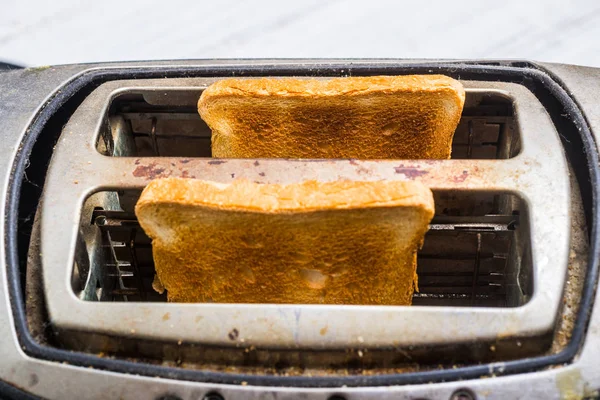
<point x="471" y="256"/>
<point x="143" y="123"/>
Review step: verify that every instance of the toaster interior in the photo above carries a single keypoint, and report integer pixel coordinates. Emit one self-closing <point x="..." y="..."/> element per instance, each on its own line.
<point x="147" y="123"/>
<point x="476" y="252"/>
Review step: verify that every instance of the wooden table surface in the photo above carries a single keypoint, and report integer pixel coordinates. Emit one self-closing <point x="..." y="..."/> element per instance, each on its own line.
<point x="68" y="31"/>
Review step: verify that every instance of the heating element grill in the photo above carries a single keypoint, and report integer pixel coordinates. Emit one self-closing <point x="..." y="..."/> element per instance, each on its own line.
<point x="145" y="125"/>
<point x="463" y="261"/>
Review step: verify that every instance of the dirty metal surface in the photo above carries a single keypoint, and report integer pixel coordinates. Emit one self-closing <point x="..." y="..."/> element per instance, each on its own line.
<point x="537" y="174"/>
<point x="578" y="379"/>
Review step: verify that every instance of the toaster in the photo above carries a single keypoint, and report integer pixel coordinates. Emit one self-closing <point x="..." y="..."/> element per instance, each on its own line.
<point x="507" y="272"/>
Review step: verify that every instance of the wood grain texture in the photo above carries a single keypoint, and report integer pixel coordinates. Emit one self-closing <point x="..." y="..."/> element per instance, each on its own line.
<point x="70" y="31"/>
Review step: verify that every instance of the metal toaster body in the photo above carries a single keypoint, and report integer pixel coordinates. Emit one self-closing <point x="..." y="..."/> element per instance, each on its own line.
<point x="507" y="270"/>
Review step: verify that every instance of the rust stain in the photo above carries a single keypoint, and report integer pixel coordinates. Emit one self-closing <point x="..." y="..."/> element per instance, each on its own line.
<point x="149" y="171"/>
<point x="323" y="330"/>
<point x="234" y="334"/>
<point x="461" y="178"/>
<point x="216" y="162"/>
<point x="33" y="380"/>
<point x="410" y="171"/>
<point x="166" y="316"/>
<point x="362" y="170"/>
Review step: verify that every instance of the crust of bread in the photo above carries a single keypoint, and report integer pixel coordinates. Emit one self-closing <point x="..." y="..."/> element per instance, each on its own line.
<point x="304" y="243"/>
<point x="403" y="117"/>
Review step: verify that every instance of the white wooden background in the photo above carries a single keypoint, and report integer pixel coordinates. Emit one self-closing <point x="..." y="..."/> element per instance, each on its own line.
<point x="39" y="32"/>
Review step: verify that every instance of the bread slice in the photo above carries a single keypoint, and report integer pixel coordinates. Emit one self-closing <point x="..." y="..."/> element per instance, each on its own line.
<point x="311" y="242"/>
<point x="403" y="117"/>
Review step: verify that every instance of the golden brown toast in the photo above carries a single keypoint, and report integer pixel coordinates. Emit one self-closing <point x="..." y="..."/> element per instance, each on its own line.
<point x="404" y="117"/>
<point x="312" y="242"/>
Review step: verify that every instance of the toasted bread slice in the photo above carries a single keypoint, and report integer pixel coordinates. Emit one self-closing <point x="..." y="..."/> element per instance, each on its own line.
<point x="404" y="117"/>
<point x="311" y="242"/>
